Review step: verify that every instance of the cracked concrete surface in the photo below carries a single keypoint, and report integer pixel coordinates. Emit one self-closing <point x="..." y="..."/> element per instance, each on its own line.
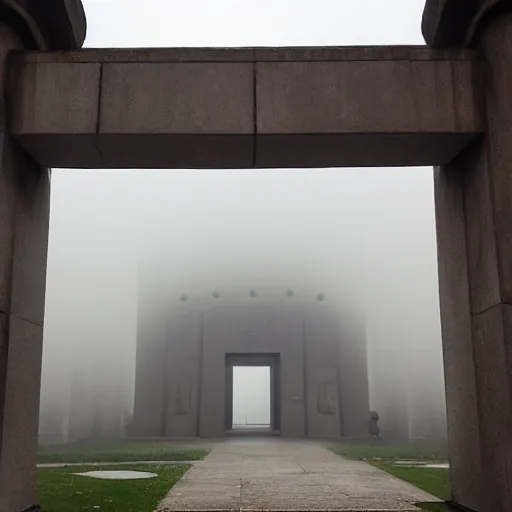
<point x="284" y="475"/>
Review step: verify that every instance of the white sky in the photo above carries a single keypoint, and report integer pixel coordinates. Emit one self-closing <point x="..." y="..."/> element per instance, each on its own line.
<point x="121" y="23"/>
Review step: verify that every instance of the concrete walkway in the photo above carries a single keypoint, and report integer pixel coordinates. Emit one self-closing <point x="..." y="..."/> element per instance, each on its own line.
<point x="283" y="475"/>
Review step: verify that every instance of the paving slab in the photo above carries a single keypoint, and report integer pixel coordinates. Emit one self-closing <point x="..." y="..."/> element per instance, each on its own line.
<point x="283" y="475"/>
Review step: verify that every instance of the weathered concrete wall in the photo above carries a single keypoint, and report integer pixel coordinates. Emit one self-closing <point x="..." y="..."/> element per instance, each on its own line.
<point x="239" y="108"/>
<point x="474" y="221"/>
<point x="24" y="216"/>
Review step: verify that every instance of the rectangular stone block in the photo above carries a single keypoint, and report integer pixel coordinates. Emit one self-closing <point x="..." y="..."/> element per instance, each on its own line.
<point x="169" y="98"/>
<point x="55" y="112"/>
<point x="201" y="108"/>
<point x="492" y="331"/>
<point x="64" y="151"/>
<point x="480" y="414"/>
<point x="496" y="51"/>
<point x="161" y="151"/>
<point x="31" y="241"/>
<point x="484" y="284"/>
<point x="7" y="218"/>
<point x="458" y="355"/>
<point x="319" y="150"/>
<point x="20" y="413"/>
<point x="365" y="97"/>
<point x="53" y="98"/>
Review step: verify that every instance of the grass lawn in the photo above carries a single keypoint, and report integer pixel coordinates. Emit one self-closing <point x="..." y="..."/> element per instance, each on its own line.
<point x="412" y="450"/>
<point x="126" y="451"/>
<point x="58" y="490"/>
<point x="383" y="455"/>
<point x="432" y="480"/>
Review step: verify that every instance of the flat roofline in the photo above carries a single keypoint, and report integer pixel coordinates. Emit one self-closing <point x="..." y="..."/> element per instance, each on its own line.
<point x="250" y="54"/>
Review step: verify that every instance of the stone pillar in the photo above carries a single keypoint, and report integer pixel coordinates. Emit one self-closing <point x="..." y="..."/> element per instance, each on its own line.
<point x="24" y="215"/>
<point x="474" y="223"/>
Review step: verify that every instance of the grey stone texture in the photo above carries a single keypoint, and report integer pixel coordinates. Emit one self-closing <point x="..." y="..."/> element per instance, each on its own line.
<point x="474" y="231"/>
<point x="239" y="108"/>
<point x="24" y="217"/>
<point x="274" y="474"/>
<point x="458" y="354"/>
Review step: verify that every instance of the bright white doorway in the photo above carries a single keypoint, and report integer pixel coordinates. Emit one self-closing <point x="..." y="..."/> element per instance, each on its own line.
<point x="251" y="397"/>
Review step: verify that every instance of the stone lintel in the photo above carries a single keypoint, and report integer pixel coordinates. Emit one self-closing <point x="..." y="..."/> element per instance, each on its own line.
<point x="246" y="107"/>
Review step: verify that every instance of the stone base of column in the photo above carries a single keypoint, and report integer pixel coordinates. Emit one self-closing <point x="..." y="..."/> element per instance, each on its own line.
<point x="33" y="508"/>
<point x="455" y="506"/>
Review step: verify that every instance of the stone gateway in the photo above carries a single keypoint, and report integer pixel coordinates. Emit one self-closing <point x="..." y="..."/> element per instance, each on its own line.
<point x="448" y="105"/>
<point x="317" y="362"/>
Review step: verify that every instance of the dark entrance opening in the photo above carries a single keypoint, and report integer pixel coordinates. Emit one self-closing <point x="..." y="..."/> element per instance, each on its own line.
<point x="270" y="361"/>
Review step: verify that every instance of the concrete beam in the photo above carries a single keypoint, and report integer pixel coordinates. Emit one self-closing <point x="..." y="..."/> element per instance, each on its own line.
<point x="243" y="108"/>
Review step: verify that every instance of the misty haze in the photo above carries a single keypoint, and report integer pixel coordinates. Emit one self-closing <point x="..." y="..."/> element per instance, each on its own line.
<point x="129" y="246"/>
<point x="364" y="235"/>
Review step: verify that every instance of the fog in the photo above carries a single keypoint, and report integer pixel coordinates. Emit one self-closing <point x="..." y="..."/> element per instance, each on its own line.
<point x="365" y="234"/>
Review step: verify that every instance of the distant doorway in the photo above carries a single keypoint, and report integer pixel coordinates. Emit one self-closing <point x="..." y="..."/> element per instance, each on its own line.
<point x="251" y="397"/>
<point x="252" y="394"/>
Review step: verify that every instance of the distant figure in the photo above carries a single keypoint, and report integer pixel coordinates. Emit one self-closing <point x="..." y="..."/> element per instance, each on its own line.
<point x="373" y="427"/>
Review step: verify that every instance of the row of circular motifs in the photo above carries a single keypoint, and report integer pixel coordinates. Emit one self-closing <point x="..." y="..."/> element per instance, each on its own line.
<point x="254" y="293"/>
